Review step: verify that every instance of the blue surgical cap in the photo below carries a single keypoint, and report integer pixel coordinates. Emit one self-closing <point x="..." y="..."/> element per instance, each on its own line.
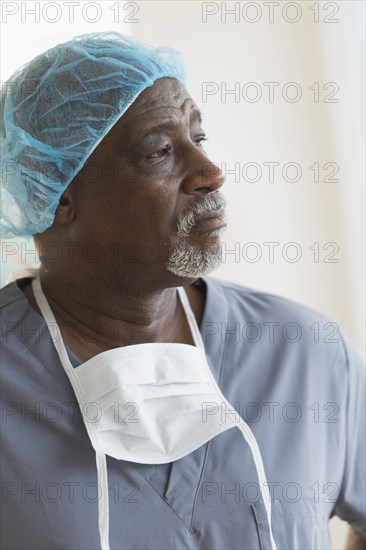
<point x="57" y="108"/>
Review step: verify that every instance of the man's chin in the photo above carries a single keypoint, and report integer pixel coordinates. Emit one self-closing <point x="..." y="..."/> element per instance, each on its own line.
<point x="190" y="259"/>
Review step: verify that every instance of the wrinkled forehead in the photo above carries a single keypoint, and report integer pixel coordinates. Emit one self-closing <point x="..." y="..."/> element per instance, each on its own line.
<point x="167" y="100"/>
<point x="166" y="95"/>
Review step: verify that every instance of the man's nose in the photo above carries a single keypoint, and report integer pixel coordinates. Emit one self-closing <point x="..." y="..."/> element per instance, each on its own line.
<point x="203" y="175"/>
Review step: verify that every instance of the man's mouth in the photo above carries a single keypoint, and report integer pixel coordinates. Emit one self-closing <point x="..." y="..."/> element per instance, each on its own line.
<point x="205" y="223"/>
<point x="205" y="216"/>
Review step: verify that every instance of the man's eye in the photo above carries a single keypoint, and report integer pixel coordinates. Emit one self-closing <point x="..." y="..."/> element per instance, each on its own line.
<point x="161" y="153"/>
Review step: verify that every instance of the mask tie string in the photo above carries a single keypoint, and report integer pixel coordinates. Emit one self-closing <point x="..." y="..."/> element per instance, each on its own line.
<point x="252" y="442"/>
<point x="103" y="500"/>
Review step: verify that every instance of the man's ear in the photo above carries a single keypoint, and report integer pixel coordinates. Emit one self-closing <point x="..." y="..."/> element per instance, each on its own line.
<point x="66" y="210"/>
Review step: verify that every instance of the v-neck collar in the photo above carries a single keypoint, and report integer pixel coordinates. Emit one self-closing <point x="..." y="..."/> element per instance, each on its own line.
<point x="170" y="480"/>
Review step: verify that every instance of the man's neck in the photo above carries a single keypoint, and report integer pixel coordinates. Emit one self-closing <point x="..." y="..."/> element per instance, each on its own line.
<point x="93" y="322"/>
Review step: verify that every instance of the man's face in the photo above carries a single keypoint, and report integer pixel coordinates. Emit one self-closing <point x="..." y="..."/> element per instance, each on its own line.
<point x="146" y="188"/>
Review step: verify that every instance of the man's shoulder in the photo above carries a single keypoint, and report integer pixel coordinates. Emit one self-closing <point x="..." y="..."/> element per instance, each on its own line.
<point x="280" y="325"/>
<point x="261" y="304"/>
<point x="15" y="316"/>
<point x="11" y="295"/>
<point x="11" y="299"/>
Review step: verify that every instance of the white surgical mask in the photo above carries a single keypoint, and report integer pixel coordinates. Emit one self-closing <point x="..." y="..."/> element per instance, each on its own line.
<point x="152" y="404"/>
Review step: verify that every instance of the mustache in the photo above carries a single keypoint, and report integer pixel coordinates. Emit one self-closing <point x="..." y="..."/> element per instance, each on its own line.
<point x="203" y="205"/>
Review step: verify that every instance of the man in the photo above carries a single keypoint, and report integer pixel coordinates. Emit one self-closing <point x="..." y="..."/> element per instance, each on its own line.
<point x="125" y="207"/>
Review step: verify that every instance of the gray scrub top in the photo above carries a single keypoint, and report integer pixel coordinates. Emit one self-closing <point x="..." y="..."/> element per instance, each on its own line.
<point x="296" y="380"/>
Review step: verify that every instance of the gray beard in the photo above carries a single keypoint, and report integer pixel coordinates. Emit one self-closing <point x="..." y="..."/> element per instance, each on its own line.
<point x="187" y="261"/>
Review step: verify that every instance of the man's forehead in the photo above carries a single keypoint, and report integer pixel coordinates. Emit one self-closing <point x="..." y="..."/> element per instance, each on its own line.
<point x="165" y="95"/>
